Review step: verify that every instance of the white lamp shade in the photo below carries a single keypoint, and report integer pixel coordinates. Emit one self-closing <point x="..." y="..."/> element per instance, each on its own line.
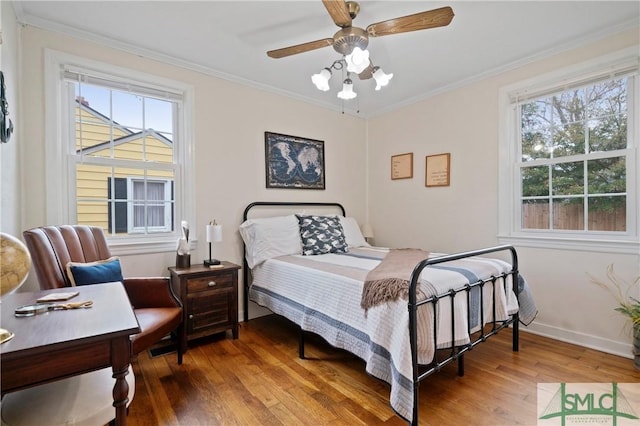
<point x="358" y="60"/>
<point x="321" y="80"/>
<point x="214" y="233"/>
<point x="367" y="231"/>
<point x="347" y="90"/>
<point x="381" y="78"/>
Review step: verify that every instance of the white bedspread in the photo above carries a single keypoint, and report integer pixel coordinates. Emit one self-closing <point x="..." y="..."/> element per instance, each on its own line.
<point x="322" y="294"/>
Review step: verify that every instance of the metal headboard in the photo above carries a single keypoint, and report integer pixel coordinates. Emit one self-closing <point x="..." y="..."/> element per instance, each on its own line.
<point x="257" y="204"/>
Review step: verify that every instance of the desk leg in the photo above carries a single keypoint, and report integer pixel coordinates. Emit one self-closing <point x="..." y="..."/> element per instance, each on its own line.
<point x="120" y="359"/>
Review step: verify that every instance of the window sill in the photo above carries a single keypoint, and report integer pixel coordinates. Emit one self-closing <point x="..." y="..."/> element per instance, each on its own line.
<point x="573" y="244"/>
<point x="125" y="247"/>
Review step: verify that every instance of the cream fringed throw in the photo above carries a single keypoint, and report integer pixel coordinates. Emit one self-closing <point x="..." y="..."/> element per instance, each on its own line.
<point x="390" y="279"/>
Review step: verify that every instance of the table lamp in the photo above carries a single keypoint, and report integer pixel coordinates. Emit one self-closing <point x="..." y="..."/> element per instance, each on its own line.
<point x="213" y="233"/>
<point x="367" y="232"/>
<point x="15" y="263"/>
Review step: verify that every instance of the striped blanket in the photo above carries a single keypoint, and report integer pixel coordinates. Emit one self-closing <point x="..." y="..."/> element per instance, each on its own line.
<point x="323" y="293"/>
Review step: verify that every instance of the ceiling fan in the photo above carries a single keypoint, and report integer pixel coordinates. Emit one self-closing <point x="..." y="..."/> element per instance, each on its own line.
<point x="348" y="37"/>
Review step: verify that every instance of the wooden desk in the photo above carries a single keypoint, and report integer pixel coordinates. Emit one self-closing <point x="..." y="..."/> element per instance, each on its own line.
<point x="59" y="344"/>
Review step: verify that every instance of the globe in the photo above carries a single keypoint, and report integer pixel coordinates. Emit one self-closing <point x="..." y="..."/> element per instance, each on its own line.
<point x="15" y="263"/>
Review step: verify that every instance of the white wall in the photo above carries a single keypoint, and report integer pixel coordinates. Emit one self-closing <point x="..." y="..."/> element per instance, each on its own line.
<point x="230" y="121"/>
<point x="463" y="216"/>
<point x="10" y="219"/>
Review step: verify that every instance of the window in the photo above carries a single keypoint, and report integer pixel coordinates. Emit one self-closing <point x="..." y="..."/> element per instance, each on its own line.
<point x="124" y="141"/>
<point x="572" y="140"/>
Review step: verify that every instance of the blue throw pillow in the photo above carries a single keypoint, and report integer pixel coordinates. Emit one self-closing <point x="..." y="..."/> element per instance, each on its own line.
<point x="321" y="235"/>
<point x="103" y="271"/>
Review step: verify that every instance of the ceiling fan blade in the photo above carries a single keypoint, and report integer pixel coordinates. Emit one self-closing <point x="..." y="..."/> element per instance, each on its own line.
<point x="339" y="12"/>
<point x="419" y="21"/>
<point x="300" y="48"/>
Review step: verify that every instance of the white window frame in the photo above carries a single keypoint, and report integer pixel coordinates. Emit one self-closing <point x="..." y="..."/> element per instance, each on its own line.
<point x="60" y="170"/>
<point x="509" y="183"/>
<point x="130" y="206"/>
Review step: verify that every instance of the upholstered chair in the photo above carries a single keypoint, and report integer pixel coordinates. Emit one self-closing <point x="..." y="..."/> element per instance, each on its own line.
<point x="157" y="309"/>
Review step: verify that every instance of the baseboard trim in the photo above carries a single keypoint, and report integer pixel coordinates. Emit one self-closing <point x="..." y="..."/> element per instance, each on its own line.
<point x="592" y="342"/>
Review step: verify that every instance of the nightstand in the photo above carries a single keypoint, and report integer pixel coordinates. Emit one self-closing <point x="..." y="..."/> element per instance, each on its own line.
<point x="209" y="299"/>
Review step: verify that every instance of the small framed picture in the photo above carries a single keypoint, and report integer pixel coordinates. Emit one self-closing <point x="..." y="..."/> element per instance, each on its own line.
<point x="402" y="166"/>
<point x="437" y="170"/>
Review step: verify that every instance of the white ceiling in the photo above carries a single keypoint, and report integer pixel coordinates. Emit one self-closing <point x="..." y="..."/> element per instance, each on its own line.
<point x="229" y="39"/>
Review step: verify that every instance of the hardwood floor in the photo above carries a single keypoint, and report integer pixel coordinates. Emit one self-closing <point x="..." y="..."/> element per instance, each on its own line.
<point x="258" y="379"/>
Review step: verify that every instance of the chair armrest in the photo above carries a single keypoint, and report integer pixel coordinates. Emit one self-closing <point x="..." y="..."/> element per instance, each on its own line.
<point x="150" y="293"/>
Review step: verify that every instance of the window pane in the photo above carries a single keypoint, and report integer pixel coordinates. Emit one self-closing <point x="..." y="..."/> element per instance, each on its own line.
<point x="568" y="107"/>
<point x="607" y="113"/>
<point x="92" y="213"/>
<point x="535" y="181"/>
<point x="608" y="213"/>
<point x="568" y="139"/>
<point x="158" y="147"/>
<point x="608" y="133"/>
<point x="607" y="98"/>
<point x="568" y="178"/>
<point x="96" y="98"/>
<point x="536" y="130"/>
<point x="127" y="110"/>
<point x="92" y="194"/>
<point x="568" y="213"/>
<point x="607" y="176"/>
<point x="535" y="214"/>
<point x="158" y="115"/>
<point x="93" y="139"/>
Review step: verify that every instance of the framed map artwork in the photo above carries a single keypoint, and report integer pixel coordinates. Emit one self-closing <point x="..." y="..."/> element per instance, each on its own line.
<point x="293" y="162"/>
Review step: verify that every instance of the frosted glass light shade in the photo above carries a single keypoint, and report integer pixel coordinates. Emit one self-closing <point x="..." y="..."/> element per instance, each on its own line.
<point x="321" y="80"/>
<point x="381" y="78"/>
<point x="347" y="90"/>
<point x="358" y="60"/>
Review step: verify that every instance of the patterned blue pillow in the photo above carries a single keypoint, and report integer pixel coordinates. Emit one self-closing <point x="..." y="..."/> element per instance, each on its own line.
<point x="321" y="235"/>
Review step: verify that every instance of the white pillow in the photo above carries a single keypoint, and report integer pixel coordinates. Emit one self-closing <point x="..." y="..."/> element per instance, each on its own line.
<point x="352" y="232"/>
<point x="270" y="237"/>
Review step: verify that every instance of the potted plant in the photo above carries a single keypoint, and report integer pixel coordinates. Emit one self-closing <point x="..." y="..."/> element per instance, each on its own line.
<point x="627" y="305"/>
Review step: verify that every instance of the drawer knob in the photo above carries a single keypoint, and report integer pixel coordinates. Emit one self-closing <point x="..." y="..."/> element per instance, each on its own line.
<point x="190" y="316"/>
<point x="211" y="284"/>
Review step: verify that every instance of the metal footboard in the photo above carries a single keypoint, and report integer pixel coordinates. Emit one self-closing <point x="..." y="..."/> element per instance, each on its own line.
<point x="456" y="353"/>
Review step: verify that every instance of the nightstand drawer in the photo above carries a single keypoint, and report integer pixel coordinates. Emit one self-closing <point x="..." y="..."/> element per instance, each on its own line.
<point x="216" y="282"/>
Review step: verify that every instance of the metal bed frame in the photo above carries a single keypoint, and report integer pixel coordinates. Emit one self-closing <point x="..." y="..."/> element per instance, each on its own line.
<point x="441" y="357"/>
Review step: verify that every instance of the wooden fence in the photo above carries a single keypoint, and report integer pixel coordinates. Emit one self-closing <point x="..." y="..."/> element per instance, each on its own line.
<point x="571" y="217"/>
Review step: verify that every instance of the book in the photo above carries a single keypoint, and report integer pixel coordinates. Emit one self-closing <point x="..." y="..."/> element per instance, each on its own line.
<point x="58" y="297"/>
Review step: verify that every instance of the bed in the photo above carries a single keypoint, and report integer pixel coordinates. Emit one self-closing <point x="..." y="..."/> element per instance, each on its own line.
<point x="406" y="312"/>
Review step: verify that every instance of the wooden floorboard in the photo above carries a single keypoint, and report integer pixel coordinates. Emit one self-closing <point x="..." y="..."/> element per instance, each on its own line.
<point x="258" y="379"/>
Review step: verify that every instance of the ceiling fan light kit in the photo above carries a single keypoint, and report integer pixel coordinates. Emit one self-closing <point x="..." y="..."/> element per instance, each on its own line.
<point x="380" y="77"/>
<point x="357" y="60"/>
<point x="321" y="80"/>
<point x="351" y="42"/>
<point x="347" y="90"/>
